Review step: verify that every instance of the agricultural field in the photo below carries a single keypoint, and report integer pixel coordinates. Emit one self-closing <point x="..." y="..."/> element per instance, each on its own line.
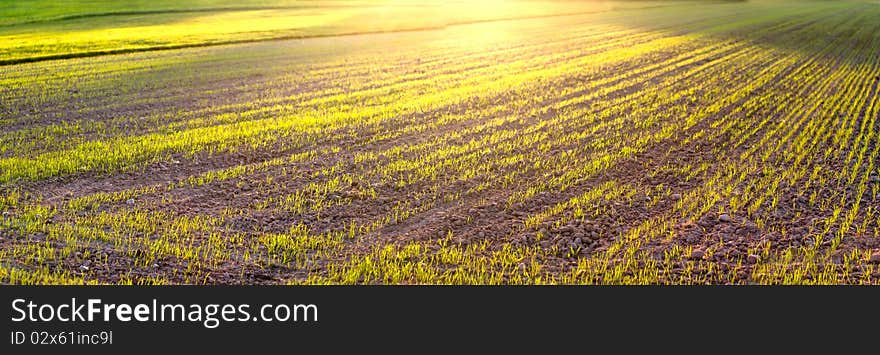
<point x="37" y="30"/>
<point x="502" y="142"/>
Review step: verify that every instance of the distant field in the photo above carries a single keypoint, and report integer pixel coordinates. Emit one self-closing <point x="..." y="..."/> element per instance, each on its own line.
<point x="40" y="29"/>
<point x="688" y="143"/>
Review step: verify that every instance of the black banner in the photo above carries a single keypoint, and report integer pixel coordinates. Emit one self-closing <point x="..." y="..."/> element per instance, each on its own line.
<point x="113" y="319"/>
